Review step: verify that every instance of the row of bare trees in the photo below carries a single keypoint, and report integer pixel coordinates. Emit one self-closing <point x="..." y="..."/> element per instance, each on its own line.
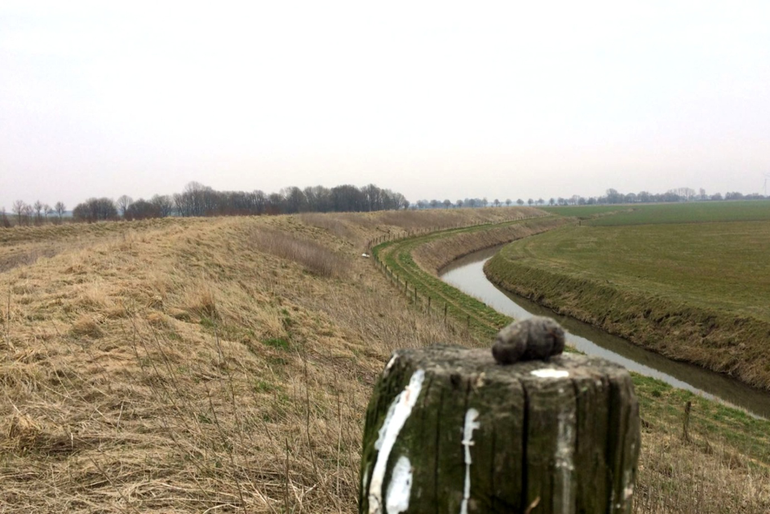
<point x="468" y="202"/>
<point x="612" y="196"/>
<point x="199" y="200"/>
<point x="32" y="214"/>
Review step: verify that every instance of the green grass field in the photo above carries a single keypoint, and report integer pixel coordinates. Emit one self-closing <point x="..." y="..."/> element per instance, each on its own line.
<point x="715" y="265"/>
<point x="690" y="281"/>
<point x="692" y="212"/>
<point x="587" y="211"/>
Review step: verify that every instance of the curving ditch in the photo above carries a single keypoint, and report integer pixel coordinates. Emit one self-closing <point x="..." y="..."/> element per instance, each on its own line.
<point x="467" y="275"/>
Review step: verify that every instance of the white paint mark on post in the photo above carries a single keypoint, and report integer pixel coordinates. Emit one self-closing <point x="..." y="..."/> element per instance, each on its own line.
<point x="391" y="362"/>
<point x="628" y="481"/>
<point x="470" y="425"/>
<point x="628" y="486"/>
<point x="550" y="373"/>
<point x="400" y="487"/>
<point x="397" y="415"/>
<point x="564" y="459"/>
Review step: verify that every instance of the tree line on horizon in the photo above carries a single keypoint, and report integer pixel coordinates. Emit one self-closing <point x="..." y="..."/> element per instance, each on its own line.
<point x="199" y="200"/>
<point x="612" y="196"/>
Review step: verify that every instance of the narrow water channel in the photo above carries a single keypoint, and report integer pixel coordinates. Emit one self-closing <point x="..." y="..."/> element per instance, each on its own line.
<point x="467" y="275"/>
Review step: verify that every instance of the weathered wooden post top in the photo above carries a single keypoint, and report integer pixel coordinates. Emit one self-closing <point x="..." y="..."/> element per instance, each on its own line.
<point x="527" y="430"/>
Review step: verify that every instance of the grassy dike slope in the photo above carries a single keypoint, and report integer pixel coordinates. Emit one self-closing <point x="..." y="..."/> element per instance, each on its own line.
<point x="697" y="292"/>
<point x="186" y="365"/>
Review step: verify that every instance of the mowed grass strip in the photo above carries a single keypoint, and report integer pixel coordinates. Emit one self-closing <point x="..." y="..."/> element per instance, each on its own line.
<point x="694" y="292"/>
<point x="481" y="321"/>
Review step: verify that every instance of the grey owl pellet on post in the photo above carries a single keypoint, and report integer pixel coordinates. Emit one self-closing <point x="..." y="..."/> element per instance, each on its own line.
<point x="535" y="338"/>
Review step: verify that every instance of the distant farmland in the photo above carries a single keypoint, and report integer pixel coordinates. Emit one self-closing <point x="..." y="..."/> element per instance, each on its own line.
<point x="669" y="277"/>
<point x="692" y="212"/>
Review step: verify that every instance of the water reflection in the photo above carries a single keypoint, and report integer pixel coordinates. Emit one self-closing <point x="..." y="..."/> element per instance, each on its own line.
<point x="468" y="276"/>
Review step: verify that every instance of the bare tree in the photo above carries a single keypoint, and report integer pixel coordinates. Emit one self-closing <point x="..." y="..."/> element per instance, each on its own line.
<point x="4" y="221"/>
<point x="95" y="209"/>
<point x="142" y="209"/>
<point x="19" y="210"/>
<point x="38" y="207"/>
<point x="27" y="214"/>
<point x="60" y="210"/>
<point x="164" y="204"/>
<point x="123" y="203"/>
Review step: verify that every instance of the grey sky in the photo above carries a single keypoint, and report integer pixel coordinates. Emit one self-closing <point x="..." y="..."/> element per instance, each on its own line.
<point x="432" y="99"/>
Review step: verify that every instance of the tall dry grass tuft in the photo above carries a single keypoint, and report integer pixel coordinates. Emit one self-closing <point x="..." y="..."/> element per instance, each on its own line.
<point x="697" y="477"/>
<point x="314" y="256"/>
<point x="331" y="222"/>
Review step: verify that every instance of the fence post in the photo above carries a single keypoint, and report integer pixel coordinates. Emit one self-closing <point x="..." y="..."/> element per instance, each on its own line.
<point x="686" y="422"/>
<point x="449" y="430"/>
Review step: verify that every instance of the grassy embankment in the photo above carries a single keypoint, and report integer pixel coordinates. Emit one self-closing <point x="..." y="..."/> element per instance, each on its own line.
<point x="722" y="468"/>
<point x="672" y="281"/>
<point x="183" y="365"/>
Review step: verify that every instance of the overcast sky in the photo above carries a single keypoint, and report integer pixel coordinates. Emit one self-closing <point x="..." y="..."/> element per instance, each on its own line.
<point x="431" y="99"/>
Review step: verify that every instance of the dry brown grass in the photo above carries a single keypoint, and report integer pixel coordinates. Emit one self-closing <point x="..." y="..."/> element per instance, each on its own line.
<point x="361" y="227"/>
<point x="314" y="256"/>
<point x="180" y="367"/>
<point x="697" y="477"/>
<point x="192" y="366"/>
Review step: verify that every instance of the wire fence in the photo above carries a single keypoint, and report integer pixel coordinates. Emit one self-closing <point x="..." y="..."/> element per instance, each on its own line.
<point x="455" y="319"/>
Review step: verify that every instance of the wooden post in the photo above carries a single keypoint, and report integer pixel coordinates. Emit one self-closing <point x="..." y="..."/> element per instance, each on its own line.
<point x="445" y="307"/>
<point x="450" y="430"/>
<point x="686" y="422"/>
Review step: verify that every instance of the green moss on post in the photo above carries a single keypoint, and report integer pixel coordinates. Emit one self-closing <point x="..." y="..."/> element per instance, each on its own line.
<point x="449" y="430"/>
